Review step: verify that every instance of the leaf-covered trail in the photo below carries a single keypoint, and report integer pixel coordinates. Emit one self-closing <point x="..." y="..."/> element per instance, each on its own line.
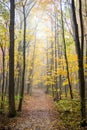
<point x="39" y="113"/>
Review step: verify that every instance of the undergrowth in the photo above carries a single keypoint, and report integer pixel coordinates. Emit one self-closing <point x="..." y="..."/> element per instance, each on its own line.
<point x="70" y="113"/>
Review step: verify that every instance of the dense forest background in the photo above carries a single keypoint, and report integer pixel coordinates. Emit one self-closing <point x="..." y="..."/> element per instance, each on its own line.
<point x="43" y="43"/>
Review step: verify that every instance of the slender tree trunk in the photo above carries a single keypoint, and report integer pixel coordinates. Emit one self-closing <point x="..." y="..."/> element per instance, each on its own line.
<point x="24" y="60"/>
<point x="17" y="87"/>
<point x="28" y="88"/>
<point x="47" y="87"/>
<point x="65" y="91"/>
<point x="6" y="84"/>
<point x="53" y="90"/>
<point x="52" y="54"/>
<point x="3" y="84"/>
<point x="67" y="66"/>
<point x="56" y="78"/>
<point x="12" y="111"/>
<point x="29" y="84"/>
<point x="60" y="91"/>
<point x="52" y="63"/>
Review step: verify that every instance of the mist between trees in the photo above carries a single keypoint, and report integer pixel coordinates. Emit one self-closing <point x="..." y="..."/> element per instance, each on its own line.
<point x="43" y="44"/>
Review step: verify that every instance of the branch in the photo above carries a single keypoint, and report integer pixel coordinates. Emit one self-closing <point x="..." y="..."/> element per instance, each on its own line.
<point x="5" y="5"/>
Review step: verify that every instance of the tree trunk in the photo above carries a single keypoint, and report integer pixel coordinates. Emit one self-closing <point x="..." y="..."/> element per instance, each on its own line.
<point x="17" y="87"/>
<point x="24" y="60"/>
<point x="12" y="111"/>
<point x="67" y="66"/>
<point x="80" y="59"/>
<point x="6" y="84"/>
<point x="56" y="78"/>
<point x="2" y="97"/>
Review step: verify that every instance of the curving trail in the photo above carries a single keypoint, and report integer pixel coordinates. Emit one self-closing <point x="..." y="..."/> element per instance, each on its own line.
<point x="39" y="113"/>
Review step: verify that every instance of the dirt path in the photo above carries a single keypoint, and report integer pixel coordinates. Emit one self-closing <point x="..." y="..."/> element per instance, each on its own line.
<point x="38" y="113"/>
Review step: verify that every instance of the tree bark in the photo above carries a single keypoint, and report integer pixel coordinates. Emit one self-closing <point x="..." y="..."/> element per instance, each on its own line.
<point x="12" y="111"/>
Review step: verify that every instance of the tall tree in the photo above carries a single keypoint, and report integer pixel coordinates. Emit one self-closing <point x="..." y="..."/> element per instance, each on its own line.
<point x="65" y="52"/>
<point x="25" y="15"/>
<point x="12" y="111"/>
<point x="23" y="75"/>
<point x="80" y="52"/>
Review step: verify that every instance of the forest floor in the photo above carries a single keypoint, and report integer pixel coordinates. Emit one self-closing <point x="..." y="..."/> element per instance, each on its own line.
<point x="39" y="113"/>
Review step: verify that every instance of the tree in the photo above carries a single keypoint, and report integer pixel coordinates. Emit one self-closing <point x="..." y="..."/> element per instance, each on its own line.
<point x="12" y="111"/>
<point x="23" y="76"/>
<point x="80" y="53"/>
<point x="25" y="15"/>
<point x="65" y="52"/>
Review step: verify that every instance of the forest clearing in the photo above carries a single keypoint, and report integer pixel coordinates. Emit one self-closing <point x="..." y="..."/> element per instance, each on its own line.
<point x="43" y="65"/>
